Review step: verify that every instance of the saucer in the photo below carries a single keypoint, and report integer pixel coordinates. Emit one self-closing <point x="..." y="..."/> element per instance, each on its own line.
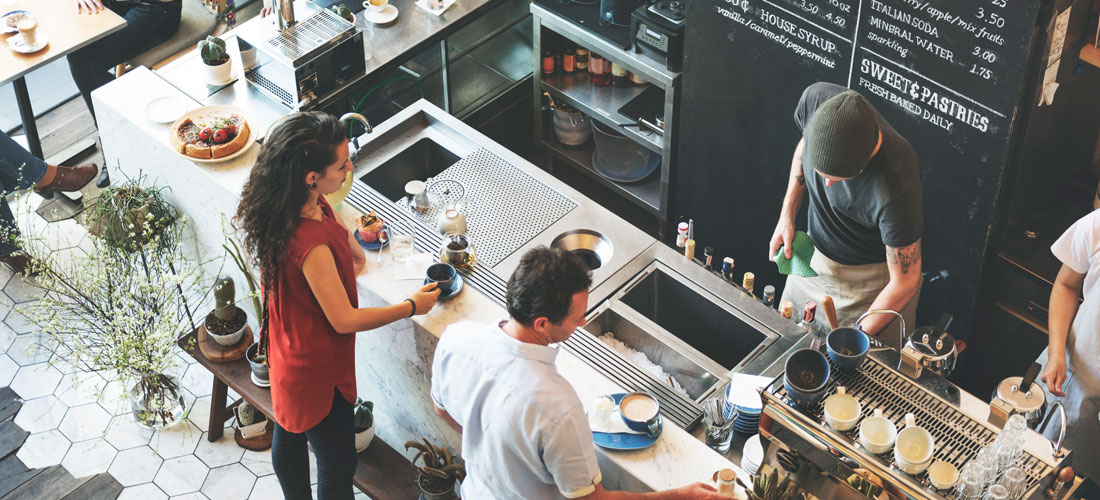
<point x="370" y="245"/>
<point x="458" y="287"/>
<point x="17" y="44"/>
<point x="626" y="440"/>
<point x="259" y="383"/>
<point x="386" y="16"/>
<point x="165" y="109"/>
<point x="232" y="78"/>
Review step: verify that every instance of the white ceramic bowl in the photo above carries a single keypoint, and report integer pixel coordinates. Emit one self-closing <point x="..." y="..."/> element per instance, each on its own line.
<point x="877" y="433"/>
<point x="363" y="439"/>
<point x="942" y="475"/>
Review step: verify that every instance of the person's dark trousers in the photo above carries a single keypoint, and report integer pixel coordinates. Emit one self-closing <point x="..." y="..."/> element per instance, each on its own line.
<point x="333" y="442"/>
<point x="19" y="169"/>
<point x="147" y="24"/>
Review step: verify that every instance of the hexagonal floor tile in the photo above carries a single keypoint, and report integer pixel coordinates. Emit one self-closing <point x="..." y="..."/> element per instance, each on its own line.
<point x="181" y="475"/>
<point x="16" y="320"/>
<point x="259" y="462"/>
<point x="195" y="495"/>
<point x="89" y="457"/>
<point x="40" y="414"/>
<point x="198" y="380"/>
<point x="80" y="388"/>
<point x="135" y="466"/>
<point x="231" y="482"/>
<point x="113" y="398"/>
<point x="199" y="413"/>
<point x="30" y="349"/>
<point x="266" y="488"/>
<point x="124" y="433"/>
<point x="224" y="451"/>
<point x="176" y="441"/>
<point x="35" y="381"/>
<point x="147" y="491"/>
<point x="7" y="336"/>
<point x="8" y="368"/>
<point x="84" y="422"/>
<point x="22" y="289"/>
<point x="43" y="449"/>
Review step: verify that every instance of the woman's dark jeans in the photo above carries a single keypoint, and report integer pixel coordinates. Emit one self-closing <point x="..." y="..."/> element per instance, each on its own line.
<point x="333" y="442"/>
<point x="19" y="169"/>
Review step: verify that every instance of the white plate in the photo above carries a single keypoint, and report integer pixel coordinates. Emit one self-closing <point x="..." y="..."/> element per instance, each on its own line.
<point x="4" y="28"/>
<point x="387" y="15"/>
<point x="17" y="43"/>
<point x="165" y="109"/>
<point x="194" y="113"/>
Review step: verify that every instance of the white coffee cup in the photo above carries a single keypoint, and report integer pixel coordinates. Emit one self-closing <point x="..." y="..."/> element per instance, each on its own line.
<point x="375" y="5"/>
<point x="942" y="475"/>
<point x="877" y="433"/>
<point x="842" y="411"/>
<point x="29" y="29"/>
<point x="914" y="447"/>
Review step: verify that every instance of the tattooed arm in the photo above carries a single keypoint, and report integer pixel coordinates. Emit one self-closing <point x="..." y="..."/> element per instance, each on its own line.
<point x="904" y="264"/>
<point x="796" y="192"/>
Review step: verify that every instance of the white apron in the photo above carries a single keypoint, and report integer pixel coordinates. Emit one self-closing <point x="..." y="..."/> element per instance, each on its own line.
<point x="1082" y="389"/>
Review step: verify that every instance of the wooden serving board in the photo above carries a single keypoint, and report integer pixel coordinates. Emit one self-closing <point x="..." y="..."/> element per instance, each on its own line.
<point x="223" y="353"/>
<point x="259" y="443"/>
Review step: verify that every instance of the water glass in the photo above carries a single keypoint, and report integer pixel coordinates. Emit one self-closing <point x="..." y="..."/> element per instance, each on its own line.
<point x="717" y="428"/>
<point x="401" y="243"/>
<point x="970" y="482"/>
<point x="1014" y="480"/>
<point x="368" y="40"/>
<point x="996" y="492"/>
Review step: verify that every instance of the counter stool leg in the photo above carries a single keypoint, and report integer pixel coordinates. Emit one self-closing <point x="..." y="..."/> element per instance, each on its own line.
<point x="217" y="410"/>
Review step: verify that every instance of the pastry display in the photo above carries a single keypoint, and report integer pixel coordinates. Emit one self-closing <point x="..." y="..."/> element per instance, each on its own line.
<point x="210" y="136"/>
<point x="369" y="226"/>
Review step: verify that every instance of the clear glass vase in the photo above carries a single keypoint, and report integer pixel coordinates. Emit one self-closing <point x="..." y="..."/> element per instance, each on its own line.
<point x="157" y="401"/>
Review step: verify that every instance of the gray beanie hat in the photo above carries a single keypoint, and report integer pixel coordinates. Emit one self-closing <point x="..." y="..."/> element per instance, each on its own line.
<point x="841" y="136"/>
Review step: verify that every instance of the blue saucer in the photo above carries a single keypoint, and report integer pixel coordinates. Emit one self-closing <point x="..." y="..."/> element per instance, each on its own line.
<point x="370" y="246"/>
<point x="624" y="440"/>
<point x="458" y="287"/>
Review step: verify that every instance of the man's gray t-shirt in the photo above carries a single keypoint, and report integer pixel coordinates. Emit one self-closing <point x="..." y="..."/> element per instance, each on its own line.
<point x="852" y="221"/>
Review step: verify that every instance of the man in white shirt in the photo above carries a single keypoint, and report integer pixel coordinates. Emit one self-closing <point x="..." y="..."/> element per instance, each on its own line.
<point x="524" y="432"/>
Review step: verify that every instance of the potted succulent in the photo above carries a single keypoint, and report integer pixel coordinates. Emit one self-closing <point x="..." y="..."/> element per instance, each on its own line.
<point x="227" y="322"/>
<point x="437" y="474"/>
<point x="256" y="354"/>
<point x="250" y="421"/>
<point x="216" y="59"/>
<point x="364" y="424"/>
<point x="344" y="12"/>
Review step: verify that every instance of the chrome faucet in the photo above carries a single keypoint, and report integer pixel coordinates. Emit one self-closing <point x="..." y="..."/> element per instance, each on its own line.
<point x="284" y="13"/>
<point x="356" y="117"/>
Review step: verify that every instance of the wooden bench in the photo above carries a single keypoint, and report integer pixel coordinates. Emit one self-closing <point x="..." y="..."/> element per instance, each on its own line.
<point x="382" y="472"/>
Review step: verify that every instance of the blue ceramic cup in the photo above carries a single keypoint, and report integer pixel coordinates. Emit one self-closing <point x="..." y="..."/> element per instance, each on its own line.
<point x="640" y="412"/>
<point x="847" y="347"/>
<point x="806" y="375"/>
<point x="444" y="276"/>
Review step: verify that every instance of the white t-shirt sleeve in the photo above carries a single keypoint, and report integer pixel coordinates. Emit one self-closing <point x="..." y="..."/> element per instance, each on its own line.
<point x="438" y="378"/>
<point x="570" y="457"/>
<point x="1077" y="245"/>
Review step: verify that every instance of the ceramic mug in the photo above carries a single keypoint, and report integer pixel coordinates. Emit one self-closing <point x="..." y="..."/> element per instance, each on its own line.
<point x="28" y="27"/>
<point x="806" y="374"/>
<point x="877" y="433"/>
<point x="842" y="411"/>
<point x="914" y="446"/>
<point x="375" y="5"/>
<point x="640" y="412"/>
<point x="942" y="475"/>
<point x="444" y="276"/>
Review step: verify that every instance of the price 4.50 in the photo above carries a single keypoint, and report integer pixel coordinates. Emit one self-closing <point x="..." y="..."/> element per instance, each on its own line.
<point x="981" y="71"/>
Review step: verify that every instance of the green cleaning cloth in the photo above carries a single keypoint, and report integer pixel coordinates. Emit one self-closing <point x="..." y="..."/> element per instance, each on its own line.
<point x="801" y="253"/>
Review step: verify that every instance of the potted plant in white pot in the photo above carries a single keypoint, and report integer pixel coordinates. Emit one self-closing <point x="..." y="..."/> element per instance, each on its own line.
<point x="227" y="322"/>
<point x="122" y="307"/>
<point x="438" y="474"/>
<point x="364" y="424"/>
<point x="250" y="421"/>
<point x="216" y="60"/>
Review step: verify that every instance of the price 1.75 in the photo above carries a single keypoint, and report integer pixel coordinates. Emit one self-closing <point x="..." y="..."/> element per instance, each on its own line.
<point x="981" y="71"/>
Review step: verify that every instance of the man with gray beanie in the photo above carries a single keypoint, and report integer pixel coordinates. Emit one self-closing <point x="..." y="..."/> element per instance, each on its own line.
<point x="865" y="214"/>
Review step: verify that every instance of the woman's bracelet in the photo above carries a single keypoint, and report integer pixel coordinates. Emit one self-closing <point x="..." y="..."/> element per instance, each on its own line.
<point x="413" y="303"/>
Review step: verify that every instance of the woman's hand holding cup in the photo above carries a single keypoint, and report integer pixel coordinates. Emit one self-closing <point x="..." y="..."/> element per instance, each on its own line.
<point x="425" y="298"/>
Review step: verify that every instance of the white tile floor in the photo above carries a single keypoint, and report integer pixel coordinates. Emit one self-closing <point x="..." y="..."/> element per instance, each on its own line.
<point x="81" y="421"/>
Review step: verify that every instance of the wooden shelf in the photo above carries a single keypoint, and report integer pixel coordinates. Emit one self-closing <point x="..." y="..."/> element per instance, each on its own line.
<point x="1090" y="54"/>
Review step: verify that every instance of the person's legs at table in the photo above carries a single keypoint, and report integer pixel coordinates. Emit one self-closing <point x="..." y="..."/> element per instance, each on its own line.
<point x="19" y="169"/>
<point x="147" y="24"/>
<point x="334" y="446"/>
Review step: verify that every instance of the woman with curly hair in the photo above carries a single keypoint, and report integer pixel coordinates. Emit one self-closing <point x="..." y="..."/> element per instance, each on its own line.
<point x="308" y="262"/>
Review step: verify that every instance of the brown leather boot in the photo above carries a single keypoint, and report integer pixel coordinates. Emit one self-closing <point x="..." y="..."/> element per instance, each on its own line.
<point x="18" y="263"/>
<point x="70" y="178"/>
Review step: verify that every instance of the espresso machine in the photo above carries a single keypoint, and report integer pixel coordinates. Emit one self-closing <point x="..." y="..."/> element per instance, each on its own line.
<point x="822" y="460"/>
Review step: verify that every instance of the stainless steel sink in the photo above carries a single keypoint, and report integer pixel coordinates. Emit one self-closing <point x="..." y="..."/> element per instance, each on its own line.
<point x="423" y="159"/>
<point x="698" y="375"/>
<point x="590" y="246"/>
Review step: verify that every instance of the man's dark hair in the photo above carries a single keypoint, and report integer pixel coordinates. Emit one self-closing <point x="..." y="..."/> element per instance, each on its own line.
<point x="544" y="284"/>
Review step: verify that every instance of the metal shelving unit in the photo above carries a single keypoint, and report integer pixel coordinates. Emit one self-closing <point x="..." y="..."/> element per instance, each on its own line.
<point x="602" y="104"/>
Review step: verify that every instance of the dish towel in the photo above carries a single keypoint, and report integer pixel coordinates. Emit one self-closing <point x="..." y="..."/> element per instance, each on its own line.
<point x="802" y="250"/>
<point x="609" y="420"/>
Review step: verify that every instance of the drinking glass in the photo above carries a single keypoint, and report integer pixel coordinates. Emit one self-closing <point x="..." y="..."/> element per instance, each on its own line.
<point x="1006" y="454"/>
<point x="718" y="429"/>
<point x="368" y="38"/>
<point x="970" y="482"/>
<point x="996" y="492"/>
<point x="401" y="243"/>
<point x="1014" y="481"/>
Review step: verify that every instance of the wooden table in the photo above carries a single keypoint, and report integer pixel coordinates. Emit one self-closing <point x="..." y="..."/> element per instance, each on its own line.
<point x="382" y="473"/>
<point x="67" y="32"/>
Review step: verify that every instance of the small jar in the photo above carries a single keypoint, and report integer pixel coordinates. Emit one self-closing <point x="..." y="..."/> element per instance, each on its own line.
<point x="681" y="234"/>
<point x="619" y="76"/>
<point x="599" y="70"/>
<point x="548" y="62"/>
<point x="581" y="59"/>
<point x="748" y="281"/>
<point x="786" y="308"/>
<point x="637" y="79"/>
<point x="569" y="60"/>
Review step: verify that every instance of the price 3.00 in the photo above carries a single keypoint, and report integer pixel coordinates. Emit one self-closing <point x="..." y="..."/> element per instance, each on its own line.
<point x="984" y="54"/>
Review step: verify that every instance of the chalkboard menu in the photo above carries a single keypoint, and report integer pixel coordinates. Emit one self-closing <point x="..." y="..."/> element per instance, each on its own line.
<point x="947" y="74"/>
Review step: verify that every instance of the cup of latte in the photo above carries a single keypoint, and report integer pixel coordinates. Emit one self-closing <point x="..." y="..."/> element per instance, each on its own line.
<point x="28" y="28"/>
<point x="640" y="412"/>
<point x="375" y="5"/>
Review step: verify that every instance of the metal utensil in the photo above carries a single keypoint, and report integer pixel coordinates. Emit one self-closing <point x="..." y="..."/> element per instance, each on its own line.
<point x="383" y="237"/>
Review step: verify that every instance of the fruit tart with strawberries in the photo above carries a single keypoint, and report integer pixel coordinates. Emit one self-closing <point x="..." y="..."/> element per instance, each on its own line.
<point x="208" y="137"/>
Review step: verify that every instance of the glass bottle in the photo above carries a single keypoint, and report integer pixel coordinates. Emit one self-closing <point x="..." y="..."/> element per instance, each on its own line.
<point x="599" y="70"/>
<point x="548" y="62"/>
<point x="769" y="296"/>
<point x="748" y="281"/>
<point x="619" y="76"/>
<point x="581" y="59"/>
<point x="637" y="79"/>
<point x="569" y="60"/>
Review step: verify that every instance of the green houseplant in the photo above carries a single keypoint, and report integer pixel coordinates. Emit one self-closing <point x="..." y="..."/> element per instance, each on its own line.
<point x="256" y="354"/>
<point x="438" y="474"/>
<point x="251" y="422"/>
<point x="121" y="304"/>
<point x="344" y="12"/>
<point x="215" y="59"/>
<point x="226" y="324"/>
